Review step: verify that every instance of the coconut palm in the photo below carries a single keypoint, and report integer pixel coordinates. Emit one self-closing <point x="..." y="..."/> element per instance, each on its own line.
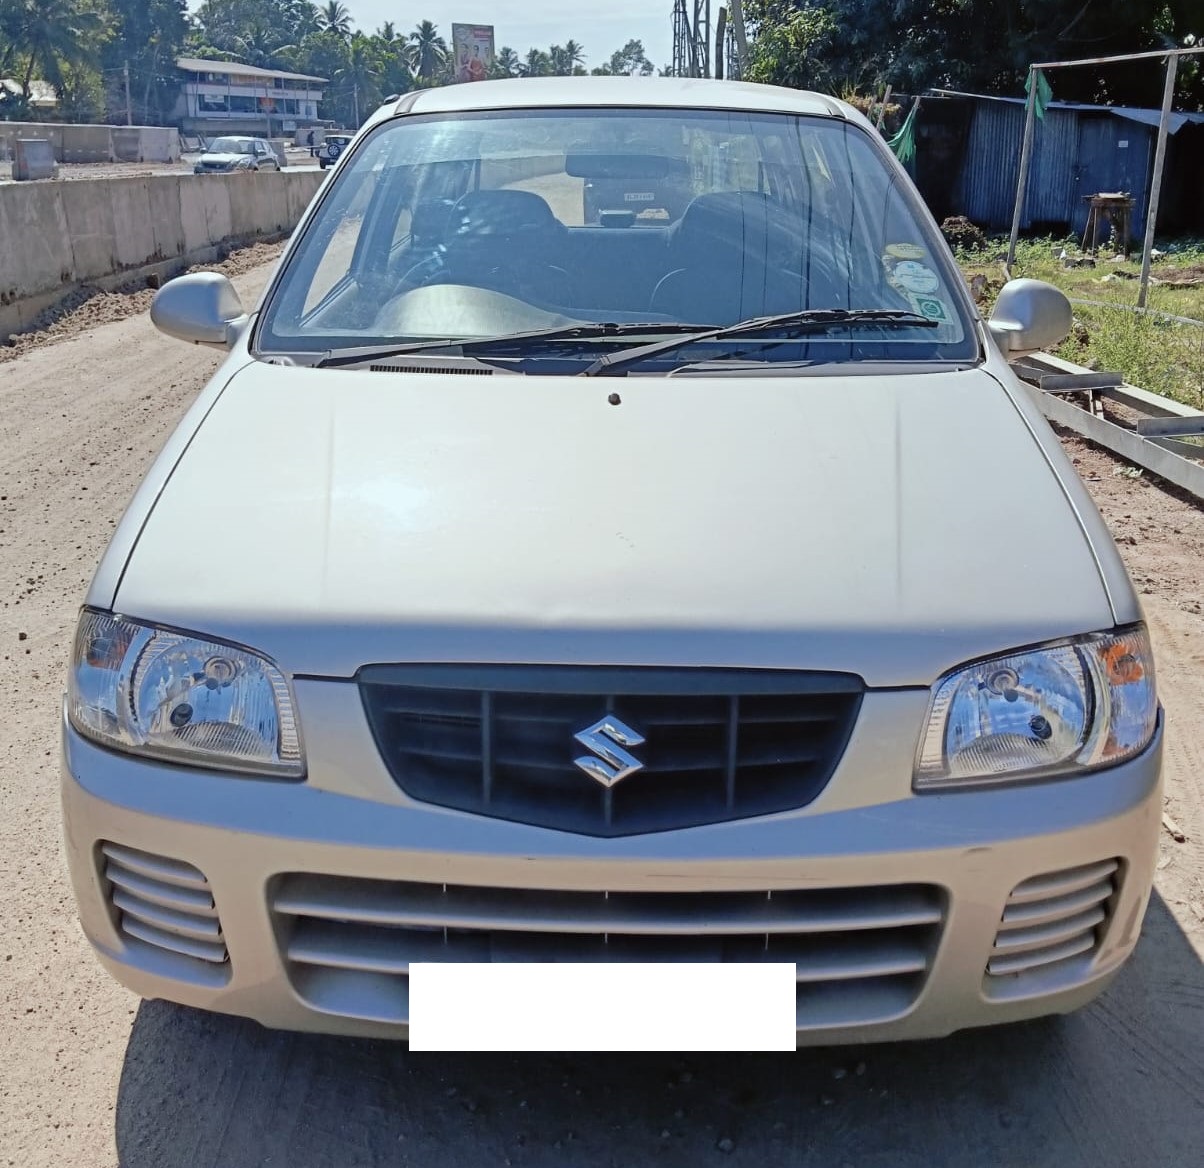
<point x="536" y="63"/>
<point x="334" y="17"/>
<point x="506" y="63"/>
<point x="426" y="53"/>
<point x="574" y="54"/>
<point x="54" y="34"/>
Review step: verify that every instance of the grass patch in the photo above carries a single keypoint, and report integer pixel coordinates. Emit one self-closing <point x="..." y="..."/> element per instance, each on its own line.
<point x="1156" y="354"/>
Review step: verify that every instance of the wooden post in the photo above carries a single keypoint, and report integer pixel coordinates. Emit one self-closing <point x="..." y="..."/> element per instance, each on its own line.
<point x="882" y="110"/>
<point x="1026" y="161"/>
<point x="1151" y="215"/>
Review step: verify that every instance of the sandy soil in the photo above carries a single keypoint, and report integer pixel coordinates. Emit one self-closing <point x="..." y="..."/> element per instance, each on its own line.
<point x="90" y="307"/>
<point x="90" y="1076"/>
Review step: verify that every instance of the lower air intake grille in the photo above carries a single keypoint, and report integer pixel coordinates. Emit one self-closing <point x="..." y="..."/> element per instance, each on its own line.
<point x="861" y="954"/>
<point x="700" y="746"/>
<point x="162" y="902"/>
<point x="1051" y="919"/>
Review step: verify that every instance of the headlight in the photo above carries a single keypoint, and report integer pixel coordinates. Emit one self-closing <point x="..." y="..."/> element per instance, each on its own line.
<point x="169" y="695"/>
<point x="1085" y="703"/>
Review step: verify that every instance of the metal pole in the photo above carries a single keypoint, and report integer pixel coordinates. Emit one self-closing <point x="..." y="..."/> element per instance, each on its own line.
<point x="129" y="117"/>
<point x="1122" y="57"/>
<point x="737" y="12"/>
<point x="1026" y="160"/>
<point x="720" y="41"/>
<point x="1151" y="215"/>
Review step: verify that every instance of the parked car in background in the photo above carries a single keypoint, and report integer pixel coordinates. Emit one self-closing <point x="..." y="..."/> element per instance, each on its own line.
<point x="236" y="152"/>
<point x="332" y="147"/>
<point x="795" y="637"/>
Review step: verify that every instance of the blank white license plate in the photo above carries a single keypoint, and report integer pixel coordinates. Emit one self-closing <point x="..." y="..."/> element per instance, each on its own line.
<point x="586" y="1006"/>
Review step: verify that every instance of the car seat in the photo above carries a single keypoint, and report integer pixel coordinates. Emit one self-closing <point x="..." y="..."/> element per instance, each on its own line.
<point x="509" y="241"/>
<point x="735" y="255"/>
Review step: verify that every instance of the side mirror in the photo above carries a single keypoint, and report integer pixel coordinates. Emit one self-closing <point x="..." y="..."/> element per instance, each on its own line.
<point x="1030" y="315"/>
<point x="201" y="307"/>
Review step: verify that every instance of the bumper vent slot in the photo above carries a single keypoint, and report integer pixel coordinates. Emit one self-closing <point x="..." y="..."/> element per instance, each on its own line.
<point x="164" y="903"/>
<point x="860" y="955"/>
<point x="716" y="745"/>
<point x="1053" y="919"/>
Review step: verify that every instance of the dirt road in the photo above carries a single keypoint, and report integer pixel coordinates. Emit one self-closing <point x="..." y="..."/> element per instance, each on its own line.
<point x="91" y="1077"/>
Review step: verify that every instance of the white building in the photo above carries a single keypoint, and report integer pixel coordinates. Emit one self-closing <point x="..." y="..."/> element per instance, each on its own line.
<point x="231" y="98"/>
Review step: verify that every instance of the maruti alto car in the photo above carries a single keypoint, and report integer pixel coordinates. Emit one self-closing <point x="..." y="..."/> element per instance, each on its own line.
<point x="522" y="589"/>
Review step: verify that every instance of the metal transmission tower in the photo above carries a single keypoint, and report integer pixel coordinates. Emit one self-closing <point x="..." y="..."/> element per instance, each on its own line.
<point x="692" y="38"/>
<point x="703" y="49"/>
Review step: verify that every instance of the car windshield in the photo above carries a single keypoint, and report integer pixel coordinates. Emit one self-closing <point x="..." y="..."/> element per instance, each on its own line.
<point x="487" y="225"/>
<point x="231" y="146"/>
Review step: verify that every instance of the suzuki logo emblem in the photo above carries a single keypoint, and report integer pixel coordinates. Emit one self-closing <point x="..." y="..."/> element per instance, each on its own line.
<point x="610" y="762"/>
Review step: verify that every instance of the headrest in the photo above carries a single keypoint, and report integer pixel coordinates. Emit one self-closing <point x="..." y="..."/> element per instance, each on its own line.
<point x="745" y="222"/>
<point x="501" y="212"/>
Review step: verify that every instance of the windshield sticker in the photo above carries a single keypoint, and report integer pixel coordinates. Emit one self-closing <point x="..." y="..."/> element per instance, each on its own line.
<point x="913" y="277"/>
<point x="930" y="307"/>
<point x="905" y="251"/>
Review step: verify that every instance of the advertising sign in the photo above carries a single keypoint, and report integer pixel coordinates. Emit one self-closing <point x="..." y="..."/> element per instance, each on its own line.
<point x="472" y="51"/>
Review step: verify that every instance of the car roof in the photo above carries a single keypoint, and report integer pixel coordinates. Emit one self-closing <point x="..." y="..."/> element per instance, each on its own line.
<point x="671" y="92"/>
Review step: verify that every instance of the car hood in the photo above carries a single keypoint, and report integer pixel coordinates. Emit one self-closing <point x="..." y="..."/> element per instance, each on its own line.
<point x="222" y="159"/>
<point x="886" y="526"/>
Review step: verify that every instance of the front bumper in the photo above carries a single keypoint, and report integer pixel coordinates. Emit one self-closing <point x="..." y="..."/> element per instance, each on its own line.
<point x="894" y="902"/>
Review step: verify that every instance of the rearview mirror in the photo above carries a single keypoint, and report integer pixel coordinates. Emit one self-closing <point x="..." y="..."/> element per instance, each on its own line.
<point x="202" y="307"/>
<point x="1030" y="315"/>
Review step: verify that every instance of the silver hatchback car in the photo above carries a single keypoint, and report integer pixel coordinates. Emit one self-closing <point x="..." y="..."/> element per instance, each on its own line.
<point x="528" y="589"/>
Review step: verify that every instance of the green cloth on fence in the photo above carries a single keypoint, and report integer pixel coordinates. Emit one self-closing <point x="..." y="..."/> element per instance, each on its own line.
<point x="1044" y="93"/>
<point x="903" y="144"/>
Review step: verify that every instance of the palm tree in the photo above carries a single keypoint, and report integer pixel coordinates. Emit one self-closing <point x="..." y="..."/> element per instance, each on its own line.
<point x="426" y="53"/>
<point x="537" y="63"/>
<point x="334" y="17"/>
<point x="574" y="54"/>
<point x="55" y="33"/>
<point x="387" y="32"/>
<point x="262" y="47"/>
<point x="506" y="63"/>
<point x="360" y="75"/>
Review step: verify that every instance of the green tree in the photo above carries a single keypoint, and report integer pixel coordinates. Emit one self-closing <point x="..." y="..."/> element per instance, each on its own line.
<point x="506" y="63"/>
<point x="629" y="61"/>
<point x="334" y="17"/>
<point x="427" y="52"/>
<point x="54" y="37"/>
<point x="536" y="63"/>
<point x="985" y="46"/>
<point x="148" y="36"/>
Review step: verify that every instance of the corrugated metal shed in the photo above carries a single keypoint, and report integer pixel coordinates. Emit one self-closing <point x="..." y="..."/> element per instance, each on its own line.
<point x="1079" y="150"/>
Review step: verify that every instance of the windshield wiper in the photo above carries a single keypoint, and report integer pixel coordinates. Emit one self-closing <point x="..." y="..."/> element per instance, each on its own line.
<point x="520" y="341"/>
<point x="787" y="324"/>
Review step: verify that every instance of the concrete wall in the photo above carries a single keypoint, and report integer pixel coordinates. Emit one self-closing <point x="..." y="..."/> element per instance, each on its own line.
<point x="55" y="236"/>
<point x="96" y="143"/>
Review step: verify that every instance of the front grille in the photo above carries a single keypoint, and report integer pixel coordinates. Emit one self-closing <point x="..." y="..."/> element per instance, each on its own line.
<point x="1053" y="921"/>
<point x="861" y="955"/>
<point x="719" y="744"/>
<point x="164" y="903"/>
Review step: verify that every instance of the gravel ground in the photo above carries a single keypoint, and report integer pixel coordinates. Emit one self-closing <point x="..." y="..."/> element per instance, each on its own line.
<point x="91" y="1077"/>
